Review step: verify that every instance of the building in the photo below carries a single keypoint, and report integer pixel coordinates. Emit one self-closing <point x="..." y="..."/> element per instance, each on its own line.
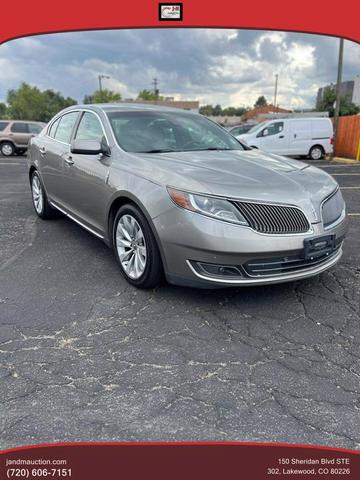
<point x="257" y="113"/>
<point x="225" y="120"/>
<point x="192" y="105"/>
<point x="349" y="88"/>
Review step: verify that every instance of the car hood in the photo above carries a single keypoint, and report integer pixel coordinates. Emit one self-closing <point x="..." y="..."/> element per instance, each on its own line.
<point x="243" y="136"/>
<point x="241" y="174"/>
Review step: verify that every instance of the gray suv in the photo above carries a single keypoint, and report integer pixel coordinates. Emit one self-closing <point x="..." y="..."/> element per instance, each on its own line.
<point x="15" y="135"/>
<point x="179" y="197"/>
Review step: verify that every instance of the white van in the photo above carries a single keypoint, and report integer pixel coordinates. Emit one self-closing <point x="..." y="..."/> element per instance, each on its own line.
<point x="312" y="137"/>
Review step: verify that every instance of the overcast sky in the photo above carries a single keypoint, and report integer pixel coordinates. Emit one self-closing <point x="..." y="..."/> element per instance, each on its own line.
<point x="230" y="67"/>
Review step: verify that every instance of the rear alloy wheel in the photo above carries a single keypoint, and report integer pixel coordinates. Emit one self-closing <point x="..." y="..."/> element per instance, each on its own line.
<point x="316" y="153"/>
<point x="40" y="201"/>
<point x="7" y="149"/>
<point x="136" y="248"/>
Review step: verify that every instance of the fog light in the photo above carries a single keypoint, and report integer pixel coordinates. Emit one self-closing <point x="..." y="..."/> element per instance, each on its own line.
<point x="214" y="270"/>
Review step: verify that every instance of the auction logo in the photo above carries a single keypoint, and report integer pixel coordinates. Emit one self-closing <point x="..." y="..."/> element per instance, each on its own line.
<point x="170" y="11"/>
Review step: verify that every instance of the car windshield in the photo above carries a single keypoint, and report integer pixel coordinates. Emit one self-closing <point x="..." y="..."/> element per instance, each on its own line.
<point x="156" y="132"/>
<point x="255" y="128"/>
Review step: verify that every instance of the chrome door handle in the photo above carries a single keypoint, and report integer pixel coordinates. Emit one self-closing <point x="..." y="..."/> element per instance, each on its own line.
<point x="42" y="150"/>
<point x="68" y="160"/>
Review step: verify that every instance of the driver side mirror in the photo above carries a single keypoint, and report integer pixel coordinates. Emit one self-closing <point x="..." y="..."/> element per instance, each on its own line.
<point x="89" y="147"/>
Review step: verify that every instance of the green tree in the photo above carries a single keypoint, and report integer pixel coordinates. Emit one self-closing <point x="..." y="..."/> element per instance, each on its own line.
<point x="102" y="96"/>
<point x="217" y="110"/>
<point x="234" y="111"/>
<point x="206" y="110"/>
<point x="209" y="110"/>
<point x="53" y="102"/>
<point x="327" y="103"/>
<point x="149" y="95"/>
<point x="347" y="107"/>
<point x="30" y="103"/>
<point x="3" y="110"/>
<point x="260" y="102"/>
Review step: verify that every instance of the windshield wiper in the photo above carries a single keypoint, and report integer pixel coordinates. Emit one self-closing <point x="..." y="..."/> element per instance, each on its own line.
<point x="210" y="148"/>
<point x="158" y="150"/>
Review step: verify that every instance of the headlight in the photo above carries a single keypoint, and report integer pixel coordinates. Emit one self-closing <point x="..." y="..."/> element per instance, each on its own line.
<point x="333" y="209"/>
<point x="209" y="206"/>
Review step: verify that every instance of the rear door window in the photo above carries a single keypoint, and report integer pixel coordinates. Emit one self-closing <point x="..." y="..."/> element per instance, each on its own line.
<point x="19" y="127"/>
<point x="35" y="128"/>
<point x="65" y="127"/>
<point x="3" y="125"/>
<point x="52" y="129"/>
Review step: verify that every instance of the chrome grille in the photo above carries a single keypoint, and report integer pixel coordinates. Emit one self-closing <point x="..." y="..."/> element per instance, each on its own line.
<point x="276" y="219"/>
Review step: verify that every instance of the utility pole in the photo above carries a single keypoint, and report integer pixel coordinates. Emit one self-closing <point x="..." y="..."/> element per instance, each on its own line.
<point x="338" y="91"/>
<point x="276" y="89"/>
<point x="100" y="77"/>
<point x="156" y="90"/>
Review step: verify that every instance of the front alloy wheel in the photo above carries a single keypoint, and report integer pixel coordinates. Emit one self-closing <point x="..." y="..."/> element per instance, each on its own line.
<point x="136" y="248"/>
<point x="131" y="246"/>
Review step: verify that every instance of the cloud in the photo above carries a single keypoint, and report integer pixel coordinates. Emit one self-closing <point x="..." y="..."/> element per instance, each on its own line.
<point x="230" y="67"/>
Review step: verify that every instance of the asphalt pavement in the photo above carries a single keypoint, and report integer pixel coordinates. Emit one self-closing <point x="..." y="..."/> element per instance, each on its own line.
<point x="86" y="357"/>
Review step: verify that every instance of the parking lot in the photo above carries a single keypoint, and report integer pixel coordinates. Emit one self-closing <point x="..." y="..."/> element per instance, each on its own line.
<point x="86" y="357"/>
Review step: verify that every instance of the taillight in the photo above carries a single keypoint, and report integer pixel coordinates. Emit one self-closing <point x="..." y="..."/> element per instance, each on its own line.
<point x="332" y="140"/>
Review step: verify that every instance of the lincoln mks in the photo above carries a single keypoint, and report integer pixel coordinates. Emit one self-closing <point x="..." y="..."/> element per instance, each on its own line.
<point x="179" y="198"/>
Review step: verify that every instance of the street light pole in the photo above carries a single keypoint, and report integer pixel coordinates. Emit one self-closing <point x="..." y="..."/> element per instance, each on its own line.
<point x="100" y="77"/>
<point x="338" y="92"/>
<point x="276" y="89"/>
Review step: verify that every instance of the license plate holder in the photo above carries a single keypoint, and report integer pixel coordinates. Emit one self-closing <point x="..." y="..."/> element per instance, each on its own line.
<point x="319" y="246"/>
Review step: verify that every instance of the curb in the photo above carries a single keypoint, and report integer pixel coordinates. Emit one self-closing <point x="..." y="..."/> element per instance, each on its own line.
<point x="344" y="160"/>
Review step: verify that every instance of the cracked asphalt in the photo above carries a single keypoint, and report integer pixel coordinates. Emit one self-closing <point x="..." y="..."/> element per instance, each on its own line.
<point x="86" y="357"/>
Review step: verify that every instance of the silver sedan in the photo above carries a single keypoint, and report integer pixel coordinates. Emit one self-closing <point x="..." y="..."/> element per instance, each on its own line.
<point x="178" y="197"/>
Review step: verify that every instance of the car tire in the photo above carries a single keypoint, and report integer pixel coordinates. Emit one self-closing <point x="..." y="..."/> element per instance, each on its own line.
<point x="136" y="249"/>
<point x="316" y="152"/>
<point x="7" y="149"/>
<point x="41" y="204"/>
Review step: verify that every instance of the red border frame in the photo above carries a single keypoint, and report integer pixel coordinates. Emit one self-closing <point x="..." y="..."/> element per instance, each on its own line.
<point x="309" y="16"/>
<point x="319" y="17"/>
<point x="127" y="444"/>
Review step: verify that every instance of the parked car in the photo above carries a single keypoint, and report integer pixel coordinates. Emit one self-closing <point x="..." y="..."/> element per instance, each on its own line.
<point x="15" y="135"/>
<point x="311" y="137"/>
<point x="176" y="195"/>
<point x="240" y="129"/>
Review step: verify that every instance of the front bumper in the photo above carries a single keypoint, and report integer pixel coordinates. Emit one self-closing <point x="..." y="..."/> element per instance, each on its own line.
<point x="189" y="239"/>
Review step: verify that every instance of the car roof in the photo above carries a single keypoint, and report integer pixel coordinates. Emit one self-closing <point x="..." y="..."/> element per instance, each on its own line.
<point x="126" y="107"/>
<point x="296" y="119"/>
<point x="21" y="121"/>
